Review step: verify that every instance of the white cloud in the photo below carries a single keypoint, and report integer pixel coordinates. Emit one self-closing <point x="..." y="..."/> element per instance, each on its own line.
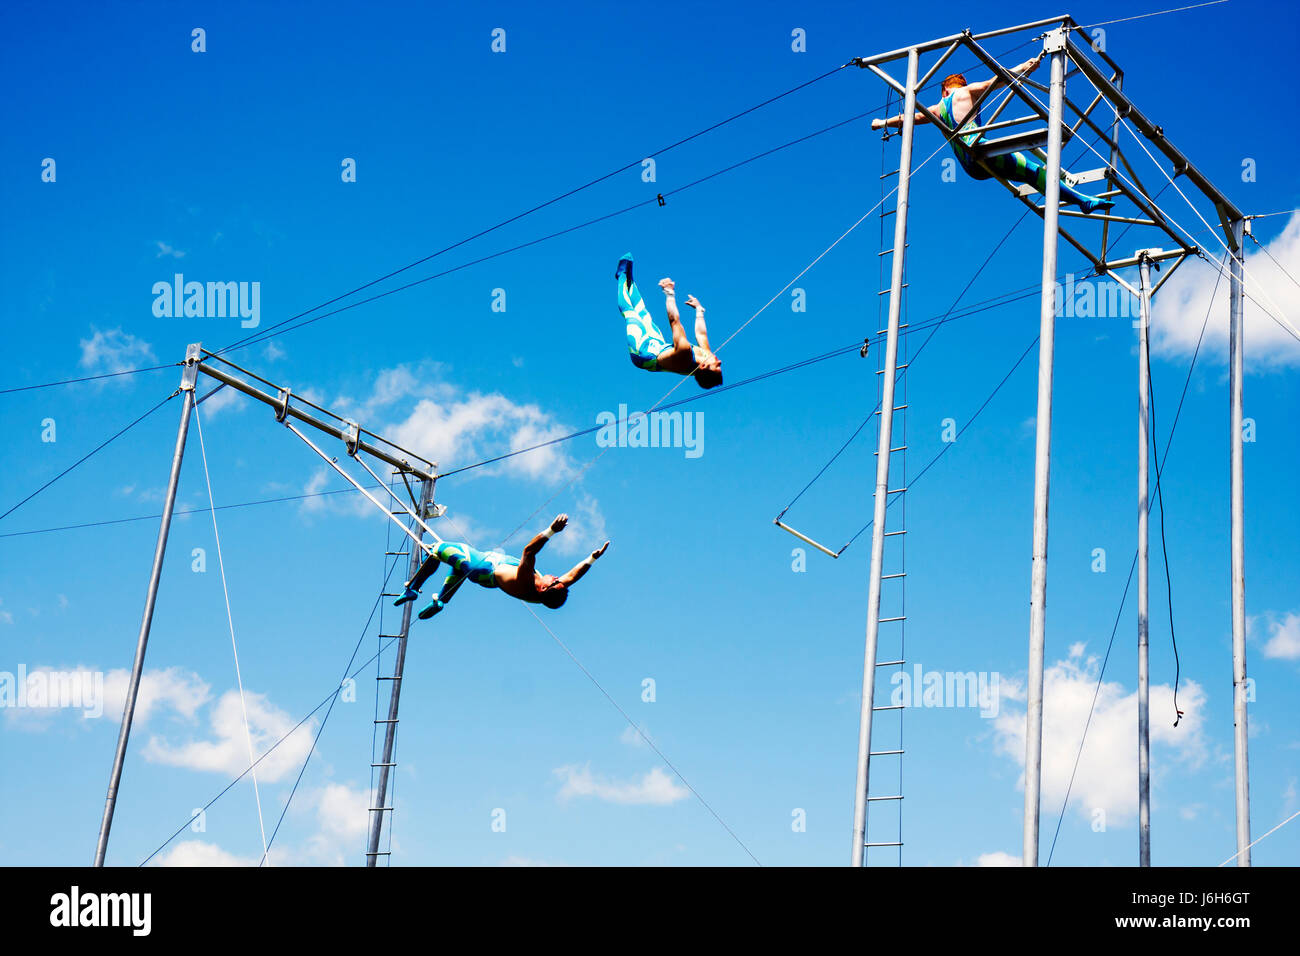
<point x="455" y="426"/>
<point x="1283" y="637"/>
<point x="655" y="787"/>
<point x="525" y="861"/>
<point x="1180" y="308"/>
<point x="166" y="250"/>
<point x="273" y="352"/>
<point x="227" y="751"/>
<point x="342" y="811"/>
<point x="1108" y="768"/>
<point x="998" y="858"/>
<point x="220" y="400"/>
<point x="174" y="689"/>
<point x="632" y="738"/>
<point x="113" y="351"/>
<point x="199" y="853"/>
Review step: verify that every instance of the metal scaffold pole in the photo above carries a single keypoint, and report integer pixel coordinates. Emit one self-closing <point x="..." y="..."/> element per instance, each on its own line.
<point x="188" y="376"/>
<point x="889" y="374"/>
<point x="1143" y="597"/>
<point x="1054" y="45"/>
<point x="380" y="806"/>
<point x="1236" y="344"/>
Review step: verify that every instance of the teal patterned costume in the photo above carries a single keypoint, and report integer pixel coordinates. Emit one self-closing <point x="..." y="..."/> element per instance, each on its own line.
<point x="645" y="343"/>
<point x="465" y="562"/>
<point x="1017" y="167"/>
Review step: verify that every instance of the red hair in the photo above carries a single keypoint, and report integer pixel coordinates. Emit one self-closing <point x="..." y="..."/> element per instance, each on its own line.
<point x="956" y="79"/>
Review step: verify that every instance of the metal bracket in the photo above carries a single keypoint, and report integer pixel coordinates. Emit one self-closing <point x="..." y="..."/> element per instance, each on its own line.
<point x="352" y="437"/>
<point x="190" y="373"/>
<point x="436" y="511"/>
<point x="1055" y="41"/>
<point x="282" y="404"/>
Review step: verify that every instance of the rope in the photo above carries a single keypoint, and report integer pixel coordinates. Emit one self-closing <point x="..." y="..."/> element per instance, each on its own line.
<point x="1270" y="832"/>
<point x="292" y="730"/>
<point x="1158" y="13"/>
<point x="97" y="448"/>
<point x="259" y="336"/>
<point x="632" y="723"/>
<point x="230" y="621"/>
<point x="1159" y="474"/>
<point x="86" y="378"/>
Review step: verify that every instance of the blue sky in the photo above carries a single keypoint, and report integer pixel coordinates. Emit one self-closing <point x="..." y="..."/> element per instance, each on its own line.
<point x="225" y="166"/>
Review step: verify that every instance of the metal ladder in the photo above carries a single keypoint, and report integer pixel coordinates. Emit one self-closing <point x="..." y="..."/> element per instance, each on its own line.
<point x="884" y="833"/>
<point x="383" y="787"/>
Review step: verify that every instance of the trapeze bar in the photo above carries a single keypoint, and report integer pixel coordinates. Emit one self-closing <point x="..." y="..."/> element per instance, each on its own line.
<point x="803" y="537"/>
<point x="283" y="407"/>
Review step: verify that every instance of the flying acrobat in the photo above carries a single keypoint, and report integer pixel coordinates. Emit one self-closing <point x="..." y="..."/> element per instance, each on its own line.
<point x="959" y="107"/>
<point x="646" y="343"/>
<point x="492" y="569"/>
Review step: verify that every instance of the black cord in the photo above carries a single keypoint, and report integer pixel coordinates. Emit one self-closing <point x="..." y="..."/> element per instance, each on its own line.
<point x="101" y="445"/>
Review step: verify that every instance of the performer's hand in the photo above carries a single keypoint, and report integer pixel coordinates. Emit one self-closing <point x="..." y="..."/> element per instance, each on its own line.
<point x="599" y="551"/>
<point x="877" y="123"/>
<point x="559" y="523"/>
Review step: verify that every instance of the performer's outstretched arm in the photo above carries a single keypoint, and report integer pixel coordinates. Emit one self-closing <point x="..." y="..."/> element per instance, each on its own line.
<point x="571" y="577"/>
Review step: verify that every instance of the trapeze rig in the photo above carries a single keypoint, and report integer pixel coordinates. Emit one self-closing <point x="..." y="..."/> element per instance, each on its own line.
<point x="419" y="508"/>
<point x="1044" y="129"/>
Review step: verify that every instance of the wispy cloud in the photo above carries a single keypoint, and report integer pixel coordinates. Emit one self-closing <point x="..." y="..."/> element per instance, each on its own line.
<point x="165" y="250"/>
<point x="1109" y="762"/>
<point x="1179" y="310"/>
<point x="655" y="787"/>
<point x="114" y="351"/>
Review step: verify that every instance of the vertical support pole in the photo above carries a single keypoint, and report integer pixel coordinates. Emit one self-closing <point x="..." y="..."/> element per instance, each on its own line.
<point x="192" y="358"/>
<point x="1236" y="368"/>
<point x="1055" y="46"/>
<point x="882" y="470"/>
<point x="1143" y="595"/>
<point x="395" y="693"/>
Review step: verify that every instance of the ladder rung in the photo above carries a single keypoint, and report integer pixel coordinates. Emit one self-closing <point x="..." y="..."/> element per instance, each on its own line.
<point x="383" y="765"/>
<point x="888" y="707"/>
<point x="884" y="753"/>
<point x="887" y="175"/>
<point x="889" y="663"/>
<point x="888" y="533"/>
<point x="386" y="720"/>
<point x="381" y="677"/>
<point x="896" y="491"/>
<point x="897" y="368"/>
<point x="391" y="553"/>
<point x="885" y="213"/>
<point x="380" y="853"/>
<point x="897" y="408"/>
<point x="901" y="617"/>
<point x="887" y="291"/>
<point x="381" y="809"/>
<point x="900" y="574"/>
<point x="883" y="331"/>
<point x="389" y="635"/>
<point x="897" y="796"/>
<point x="890" y="250"/>
<point x="391" y="593"/>
<point x="882" y="844"/>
